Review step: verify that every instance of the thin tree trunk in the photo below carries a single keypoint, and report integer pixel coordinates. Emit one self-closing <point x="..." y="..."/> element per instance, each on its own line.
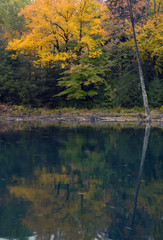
<point x="144" y="94"/>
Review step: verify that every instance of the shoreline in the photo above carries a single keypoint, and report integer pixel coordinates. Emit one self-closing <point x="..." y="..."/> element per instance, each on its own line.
<point x="87" y="117"/>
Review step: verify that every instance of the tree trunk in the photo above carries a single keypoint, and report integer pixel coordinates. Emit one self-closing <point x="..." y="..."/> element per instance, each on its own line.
<point x="144" y="94"/>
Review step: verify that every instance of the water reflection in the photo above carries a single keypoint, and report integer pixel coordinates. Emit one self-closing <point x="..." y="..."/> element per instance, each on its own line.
<point x="144" y="150"/>
<point x="60" y="182"/>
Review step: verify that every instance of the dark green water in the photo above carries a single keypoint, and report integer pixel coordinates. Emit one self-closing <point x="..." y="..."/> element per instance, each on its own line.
<point x="80" y="183"/>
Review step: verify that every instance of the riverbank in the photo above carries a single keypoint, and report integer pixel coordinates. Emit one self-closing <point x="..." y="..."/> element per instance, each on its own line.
<point x="87" y="117"/>
<point x="21" y="114"/>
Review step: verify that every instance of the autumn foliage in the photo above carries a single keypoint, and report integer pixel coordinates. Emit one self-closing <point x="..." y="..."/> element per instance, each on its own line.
<point x="61" y="30"/>
<point x="80" y="50"/>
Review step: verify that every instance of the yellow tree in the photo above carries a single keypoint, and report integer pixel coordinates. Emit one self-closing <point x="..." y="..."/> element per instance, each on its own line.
<point x="150" y="39"/>
<point x="150" y="36"/>
<point x="60" y="30"/>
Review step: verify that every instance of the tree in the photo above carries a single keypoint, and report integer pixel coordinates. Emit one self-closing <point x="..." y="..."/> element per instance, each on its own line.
<point x="9" y="87"/>
<point x="137" y="13"/>
<point x="82" y="81"/>
<point x="60" y="31"/>
<point x="58" y="34"/>
<point x="150" y="43"/>
<point x="145" y="99"/>
<point x="10" y="24"/>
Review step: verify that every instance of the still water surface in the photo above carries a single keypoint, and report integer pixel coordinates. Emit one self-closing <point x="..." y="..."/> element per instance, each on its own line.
<point x="63" y="182"/>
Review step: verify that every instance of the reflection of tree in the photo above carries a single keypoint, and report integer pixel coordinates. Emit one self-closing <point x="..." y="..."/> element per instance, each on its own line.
<point x="153" y="187"/>
<point x="10" y="224"/>
<point x="103" y="148"/>
<point x="85" y="183"/>
<point x="56" y="209"/>
<point x="144" y="149"/>
<point x="61" y="206"/>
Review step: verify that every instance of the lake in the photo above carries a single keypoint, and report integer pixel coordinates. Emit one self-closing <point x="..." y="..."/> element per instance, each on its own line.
<point x="74" y="182"/>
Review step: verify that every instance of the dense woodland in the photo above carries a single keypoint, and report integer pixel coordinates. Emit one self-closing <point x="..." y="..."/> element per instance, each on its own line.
<point x="80" y="53"/>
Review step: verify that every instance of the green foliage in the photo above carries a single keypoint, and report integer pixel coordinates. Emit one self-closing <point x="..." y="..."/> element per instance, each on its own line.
<point x="129" y="94"/>
<point x="155" y="92"/>
<point x="9" y="20"/>
<point x="109" y="95"/>
<point x="81" y="81"/>
<point x="9" y="87"/>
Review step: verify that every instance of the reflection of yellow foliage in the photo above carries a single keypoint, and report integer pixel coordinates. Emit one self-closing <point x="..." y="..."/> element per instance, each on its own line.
<point x="152" y="191"/>
<point x="26" y="193"/>
<point x="58" y="202"/>
<point x="64" y="169"/>
<point x="93" y="186"/>
<point x="54" y="205"/>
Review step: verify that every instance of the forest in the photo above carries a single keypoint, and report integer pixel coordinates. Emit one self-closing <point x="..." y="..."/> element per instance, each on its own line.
<point x="80" y="53"/>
